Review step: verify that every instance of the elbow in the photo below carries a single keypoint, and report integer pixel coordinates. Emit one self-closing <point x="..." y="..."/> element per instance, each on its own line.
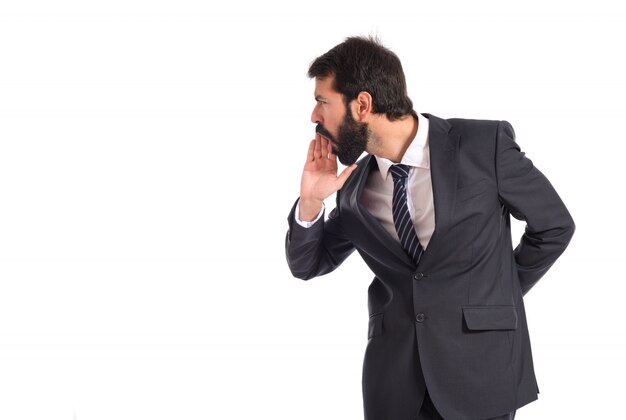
<point x="300" y="268"/>
<point x="571" y="228"/>
<point x="302" y="275"/>
<point x="567" y="232"/>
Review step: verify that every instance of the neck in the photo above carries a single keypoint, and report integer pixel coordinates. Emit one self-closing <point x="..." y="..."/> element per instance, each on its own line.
<point x="390" y="139"/>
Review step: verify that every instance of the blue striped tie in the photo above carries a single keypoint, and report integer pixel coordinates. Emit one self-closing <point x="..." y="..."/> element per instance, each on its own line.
<point x="401" y="217"/>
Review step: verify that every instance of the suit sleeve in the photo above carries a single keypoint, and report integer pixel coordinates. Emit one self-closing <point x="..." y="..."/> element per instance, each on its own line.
<point x="318" y="249"/>
<point x="528" y="195"/>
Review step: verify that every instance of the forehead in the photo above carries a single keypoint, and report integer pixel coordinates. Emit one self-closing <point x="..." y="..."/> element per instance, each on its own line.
<point x="324" y="87"/>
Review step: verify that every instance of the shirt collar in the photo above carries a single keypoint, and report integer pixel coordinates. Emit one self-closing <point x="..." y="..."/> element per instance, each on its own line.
<point x="416" y="154"/>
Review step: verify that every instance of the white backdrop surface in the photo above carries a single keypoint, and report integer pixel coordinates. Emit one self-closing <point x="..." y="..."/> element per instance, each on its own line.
<point x="151" y="150"/>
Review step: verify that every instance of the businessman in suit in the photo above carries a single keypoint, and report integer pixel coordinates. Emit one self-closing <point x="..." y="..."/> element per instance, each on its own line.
<point x="428" y="209"/>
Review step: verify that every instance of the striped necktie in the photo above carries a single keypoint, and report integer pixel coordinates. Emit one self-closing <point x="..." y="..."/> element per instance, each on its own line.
<point x="401" y="217"/>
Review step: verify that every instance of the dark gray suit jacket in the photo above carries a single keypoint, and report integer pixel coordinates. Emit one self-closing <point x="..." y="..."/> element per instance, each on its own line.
<point x="456" y="322"/>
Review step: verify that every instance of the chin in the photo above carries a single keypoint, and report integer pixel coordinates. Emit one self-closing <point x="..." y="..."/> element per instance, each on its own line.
<point x="347" y="162"/>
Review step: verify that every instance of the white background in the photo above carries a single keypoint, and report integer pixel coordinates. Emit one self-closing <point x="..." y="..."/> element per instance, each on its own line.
<point x="151" y="150"/>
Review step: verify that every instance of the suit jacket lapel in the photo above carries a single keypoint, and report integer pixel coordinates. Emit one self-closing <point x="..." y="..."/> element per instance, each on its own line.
<point x="371" y="223"/>
<point x="372" y="232"/>
<point x="443" y="144"/>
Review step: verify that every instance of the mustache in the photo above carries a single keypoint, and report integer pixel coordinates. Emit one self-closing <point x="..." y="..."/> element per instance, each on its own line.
<point x="319" y="128"/>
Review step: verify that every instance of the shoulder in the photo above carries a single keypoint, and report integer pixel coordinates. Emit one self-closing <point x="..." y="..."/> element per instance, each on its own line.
<point x="474" y="125"/>
<point x="465" y="125"/>
<point x="482" y="129"/>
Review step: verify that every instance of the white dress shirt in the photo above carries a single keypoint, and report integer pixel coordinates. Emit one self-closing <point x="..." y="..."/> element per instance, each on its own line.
<point x="378" y="190"/>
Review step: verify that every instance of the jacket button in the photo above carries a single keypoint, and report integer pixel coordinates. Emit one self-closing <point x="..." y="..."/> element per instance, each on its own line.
<point x="418" y="276"/>
<point x="420" y="317"/>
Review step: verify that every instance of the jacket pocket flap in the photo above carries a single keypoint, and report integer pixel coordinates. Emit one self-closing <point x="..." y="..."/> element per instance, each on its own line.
<point x="490" y="317"/>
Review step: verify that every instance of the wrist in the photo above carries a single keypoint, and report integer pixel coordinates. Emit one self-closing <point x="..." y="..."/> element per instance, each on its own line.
<point x="309" y="208"/>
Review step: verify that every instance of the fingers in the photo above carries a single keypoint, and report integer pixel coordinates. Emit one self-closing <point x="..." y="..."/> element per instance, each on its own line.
<point x="329" y="148"/>
<point x="309" y="155"/>
<point x="341" y="179"/>
<point x="332" y="158"/>
<point x="318" y="147"/>
<point x="324" y="147"/>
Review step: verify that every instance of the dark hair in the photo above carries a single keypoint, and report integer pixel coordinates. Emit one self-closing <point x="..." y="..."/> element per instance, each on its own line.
<point x="364" y="64"/>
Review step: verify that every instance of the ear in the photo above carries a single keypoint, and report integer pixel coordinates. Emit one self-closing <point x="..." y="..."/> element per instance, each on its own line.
<point x="362" y="106"/>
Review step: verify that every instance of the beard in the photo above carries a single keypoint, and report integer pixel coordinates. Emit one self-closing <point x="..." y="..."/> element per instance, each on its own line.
<point x="351" y="141"/>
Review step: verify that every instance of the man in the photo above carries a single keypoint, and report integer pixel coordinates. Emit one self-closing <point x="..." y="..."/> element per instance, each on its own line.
<point x="428" y="209"/>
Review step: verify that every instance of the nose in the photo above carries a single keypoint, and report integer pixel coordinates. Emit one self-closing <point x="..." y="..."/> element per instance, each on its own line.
<point x="315" y="117"/>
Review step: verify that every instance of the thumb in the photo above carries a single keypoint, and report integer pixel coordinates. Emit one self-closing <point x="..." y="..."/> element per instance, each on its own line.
<point x="343" y="176"/>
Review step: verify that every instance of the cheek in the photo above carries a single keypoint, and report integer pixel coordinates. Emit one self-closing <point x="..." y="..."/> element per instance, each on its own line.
<point x="334" y="125"/>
